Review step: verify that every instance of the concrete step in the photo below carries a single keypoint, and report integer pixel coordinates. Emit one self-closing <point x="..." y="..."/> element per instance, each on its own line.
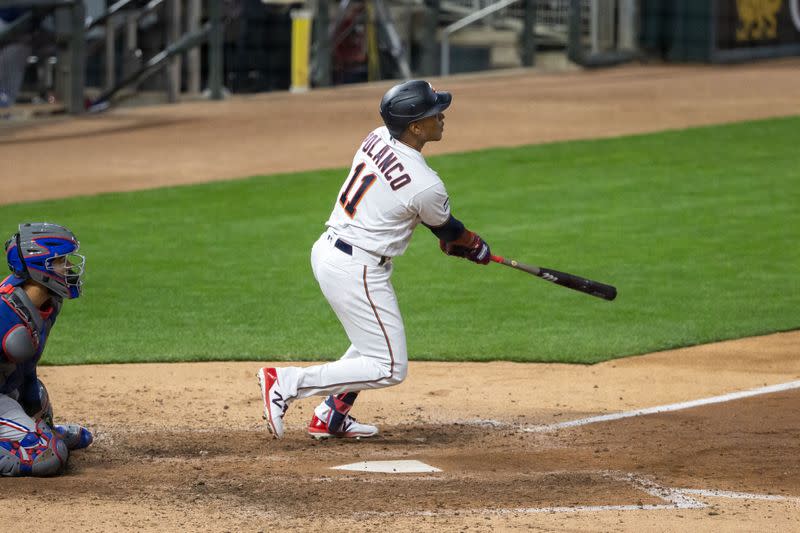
<point x="503" y="45"/>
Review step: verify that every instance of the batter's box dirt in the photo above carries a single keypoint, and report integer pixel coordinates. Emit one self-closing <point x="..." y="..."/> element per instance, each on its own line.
<point x="294" y="478"/>
<point x="714" y="447"/>
<point x="239" y="479"/>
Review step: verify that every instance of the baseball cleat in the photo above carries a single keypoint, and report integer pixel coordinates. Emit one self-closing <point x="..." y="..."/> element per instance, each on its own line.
<point x="74" y="436"/>
<point x="351" y="429"/>
<point x="274" y="403"/>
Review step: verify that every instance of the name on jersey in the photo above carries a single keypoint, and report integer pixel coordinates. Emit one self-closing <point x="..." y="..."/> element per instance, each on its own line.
<point x="386" y="161"/>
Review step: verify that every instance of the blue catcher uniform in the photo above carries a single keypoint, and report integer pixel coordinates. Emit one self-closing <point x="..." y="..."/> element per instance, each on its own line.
<point x="29" y="442"/>
<point x="24" y="330"/>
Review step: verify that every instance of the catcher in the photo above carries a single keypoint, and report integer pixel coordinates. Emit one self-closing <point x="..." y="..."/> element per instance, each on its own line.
<point x="45" y="270"/>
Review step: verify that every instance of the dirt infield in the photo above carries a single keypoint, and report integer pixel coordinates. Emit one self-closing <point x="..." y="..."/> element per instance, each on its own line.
<point x="180" y="447"/>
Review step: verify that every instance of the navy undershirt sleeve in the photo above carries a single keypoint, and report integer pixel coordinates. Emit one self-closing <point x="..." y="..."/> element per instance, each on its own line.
<point x="449" y="231"/>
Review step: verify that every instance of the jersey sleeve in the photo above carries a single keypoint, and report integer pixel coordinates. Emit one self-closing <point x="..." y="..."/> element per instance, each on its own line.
<point x="432" y="205"/>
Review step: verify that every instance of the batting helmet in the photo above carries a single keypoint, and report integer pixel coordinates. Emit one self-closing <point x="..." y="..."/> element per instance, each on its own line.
<point x="45" y="253"/>
<point x="411" y="101"/>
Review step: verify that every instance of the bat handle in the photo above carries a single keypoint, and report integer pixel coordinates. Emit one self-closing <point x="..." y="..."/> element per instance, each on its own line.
<point x="503" y="261"/>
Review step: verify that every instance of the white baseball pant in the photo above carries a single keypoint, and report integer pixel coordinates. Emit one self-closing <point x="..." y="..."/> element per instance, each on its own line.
<point x="360" y="292"/>
<point x="14" y="423"/>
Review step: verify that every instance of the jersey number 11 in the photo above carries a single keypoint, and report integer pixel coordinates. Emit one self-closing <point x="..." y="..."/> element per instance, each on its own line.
<point x="348" y="202"/>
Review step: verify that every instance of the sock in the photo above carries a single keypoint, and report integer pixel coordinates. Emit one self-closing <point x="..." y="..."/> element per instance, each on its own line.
<point x="339" y="406"/>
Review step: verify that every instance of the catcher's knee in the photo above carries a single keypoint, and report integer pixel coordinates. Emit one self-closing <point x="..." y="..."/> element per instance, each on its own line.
<point x="40" y="453"/>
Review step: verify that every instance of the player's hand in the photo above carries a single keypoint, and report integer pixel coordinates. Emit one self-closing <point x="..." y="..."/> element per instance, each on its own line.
<point x="478" y="251"/>
<point x="452" y="249"/>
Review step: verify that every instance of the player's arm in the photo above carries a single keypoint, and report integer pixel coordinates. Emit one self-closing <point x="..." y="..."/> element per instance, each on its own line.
<point x="457" y="240"/>
<point x="454" y="239"/>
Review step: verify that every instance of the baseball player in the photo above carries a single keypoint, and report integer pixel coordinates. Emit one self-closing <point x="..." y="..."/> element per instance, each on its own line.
<point x="45" y="270"/>
<point x="390" y="190"/>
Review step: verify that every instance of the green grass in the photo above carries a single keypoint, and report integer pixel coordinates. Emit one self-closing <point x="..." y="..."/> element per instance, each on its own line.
<point x="699" y="230"/>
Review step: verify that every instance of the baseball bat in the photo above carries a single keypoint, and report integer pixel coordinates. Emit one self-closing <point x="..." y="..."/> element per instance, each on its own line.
<point x="571" y="281"/>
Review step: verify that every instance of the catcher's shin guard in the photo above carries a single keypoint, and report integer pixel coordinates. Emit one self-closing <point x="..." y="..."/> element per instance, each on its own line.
<point x="37" y="403"/>
<point x="39" y="453"/>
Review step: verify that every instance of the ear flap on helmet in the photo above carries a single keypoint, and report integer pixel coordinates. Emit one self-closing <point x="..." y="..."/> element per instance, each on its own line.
<point x="21" y="269"/>
<point x="19" y="254"/>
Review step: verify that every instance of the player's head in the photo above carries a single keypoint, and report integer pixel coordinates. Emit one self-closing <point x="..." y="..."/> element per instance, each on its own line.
<point x="410" y="102"/>
<point x="46" y="254"/>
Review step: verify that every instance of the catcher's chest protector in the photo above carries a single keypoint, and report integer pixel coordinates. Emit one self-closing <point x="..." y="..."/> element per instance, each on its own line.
<point x="23" y="330"/>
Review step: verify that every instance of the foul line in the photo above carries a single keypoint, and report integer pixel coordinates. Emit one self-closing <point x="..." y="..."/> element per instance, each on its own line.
<point x="737" y="495"/>
<point x="671" y="498"/>
<point x="665" y="408"/>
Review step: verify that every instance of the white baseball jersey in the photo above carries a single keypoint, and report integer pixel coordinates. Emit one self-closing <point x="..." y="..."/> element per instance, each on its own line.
<point x="390" y="189"/>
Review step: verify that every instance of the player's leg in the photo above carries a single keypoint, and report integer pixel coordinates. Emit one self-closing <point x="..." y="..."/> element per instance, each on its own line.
<point x="364" y="300"/>
<point x="28" y="448"/>
<point x="75" y="436"/>
<point x="331" y="417"/>
<point x="377" y="336"/>
<point x="36" y="403"/>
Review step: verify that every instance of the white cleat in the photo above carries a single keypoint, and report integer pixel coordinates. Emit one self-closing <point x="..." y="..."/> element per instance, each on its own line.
<point x="274" y="403"/>
<point x="351" y="429"/>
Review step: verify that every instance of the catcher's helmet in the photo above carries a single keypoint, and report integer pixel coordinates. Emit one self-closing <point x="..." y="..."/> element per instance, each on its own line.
<point x="45" y="253"/>
<point x="411" y="101"/>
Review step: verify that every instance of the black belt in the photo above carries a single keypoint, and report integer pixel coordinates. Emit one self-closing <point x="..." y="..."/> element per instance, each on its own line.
<point x="348" y="249"/>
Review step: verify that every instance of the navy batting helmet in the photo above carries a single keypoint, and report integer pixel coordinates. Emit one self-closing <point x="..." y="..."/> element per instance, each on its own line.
<point x="411" y="101"/>
<point x="46" y="254"/>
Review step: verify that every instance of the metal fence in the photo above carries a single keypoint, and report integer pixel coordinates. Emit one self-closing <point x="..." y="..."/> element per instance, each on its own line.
<point x="588" y="28"/>
<point x="72" y="39"/>
<point x="551" y="21"/>
<point x="105" y="44"/>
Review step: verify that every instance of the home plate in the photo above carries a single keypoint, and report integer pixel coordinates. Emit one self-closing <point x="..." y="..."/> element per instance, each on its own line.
<point x="389" y="467"/>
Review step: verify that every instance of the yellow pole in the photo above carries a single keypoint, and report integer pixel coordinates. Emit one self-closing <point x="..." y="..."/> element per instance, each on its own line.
<point x="301" y="44"/>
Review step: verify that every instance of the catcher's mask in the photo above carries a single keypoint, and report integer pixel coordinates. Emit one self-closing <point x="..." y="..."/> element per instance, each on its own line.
<point x="46" y="253"/>
<point x="411" y="101"/>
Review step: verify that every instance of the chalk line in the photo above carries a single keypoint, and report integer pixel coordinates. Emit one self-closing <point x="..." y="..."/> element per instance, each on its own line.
<point x="665" y="408"/>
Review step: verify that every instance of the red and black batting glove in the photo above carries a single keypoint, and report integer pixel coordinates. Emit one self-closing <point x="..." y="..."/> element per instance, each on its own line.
<point x="478" y="251"/>
<point x="450" y="248"/>
<point x="475" y="249"/>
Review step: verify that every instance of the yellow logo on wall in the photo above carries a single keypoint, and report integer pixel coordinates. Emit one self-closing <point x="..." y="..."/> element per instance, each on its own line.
<point x="758" y="19"/>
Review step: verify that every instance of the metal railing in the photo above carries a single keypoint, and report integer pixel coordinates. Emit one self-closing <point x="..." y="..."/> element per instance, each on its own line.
<point x="463" y="23"/>
<point x="606" y="27"/>
<point x="72" y="27"/>
<point x="178" y="44"/>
